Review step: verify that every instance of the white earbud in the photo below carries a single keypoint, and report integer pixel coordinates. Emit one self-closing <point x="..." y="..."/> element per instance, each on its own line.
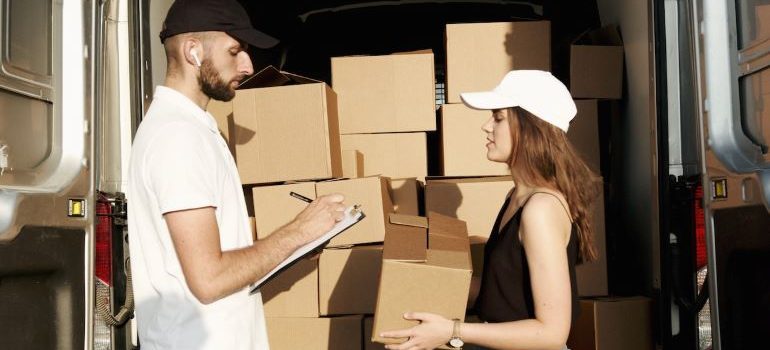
<point x="195" y="57"/>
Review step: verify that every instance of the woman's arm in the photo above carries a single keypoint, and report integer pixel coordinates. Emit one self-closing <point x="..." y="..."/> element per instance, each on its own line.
<point x="544" y="233"/>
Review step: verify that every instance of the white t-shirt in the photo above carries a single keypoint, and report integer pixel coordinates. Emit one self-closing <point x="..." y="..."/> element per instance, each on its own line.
<point x="180" y="161"/>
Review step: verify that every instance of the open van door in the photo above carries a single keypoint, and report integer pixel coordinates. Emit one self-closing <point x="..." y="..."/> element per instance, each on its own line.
<point x="728" y="54"/>
<point x="46" y="186"/>
<point x="62" y="269"/>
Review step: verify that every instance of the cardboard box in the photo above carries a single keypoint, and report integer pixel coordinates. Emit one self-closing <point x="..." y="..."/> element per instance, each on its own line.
<point x="391" y="93"/>
<point x="596" y="65"/>
<point x="223" y="114"/>
<point x="394" y="155"/>
<point x="406" y="195"/>
<point x="352" y="164"/>
<point x="411" y="271"/>
<point x="592" y="276"/>
<point x="372" y="194"/>
<point x="266" y="117"/>
<point x="368" y="343"/>
<point x="583" y="133"/>
<point x="477" y="201"/>
<point x="348" y="280"/>
<point x="253" y="224"/>
<point x="293" y="292"/>
<point x="480" y="54"/>
<point x="477" y="254"/>
<point x="334" y="333"/>
<point x="613" y="323"/>
<point x="463" y="143"/>
<point x="274" y="207"/>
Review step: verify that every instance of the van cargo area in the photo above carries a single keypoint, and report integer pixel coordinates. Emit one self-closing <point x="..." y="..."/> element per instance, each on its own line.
<point x="670" y="116"/>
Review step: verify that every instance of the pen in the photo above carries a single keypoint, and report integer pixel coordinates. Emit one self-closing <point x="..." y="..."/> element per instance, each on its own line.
<point x="300" y="197"/>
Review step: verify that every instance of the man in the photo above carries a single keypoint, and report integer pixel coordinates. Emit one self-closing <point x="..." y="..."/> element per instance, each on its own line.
<point x="191" y="251"/>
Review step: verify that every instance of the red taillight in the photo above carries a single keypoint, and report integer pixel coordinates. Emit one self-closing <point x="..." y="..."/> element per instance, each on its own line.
<point x="700" y="228"/>
<point x="103" y="259"/>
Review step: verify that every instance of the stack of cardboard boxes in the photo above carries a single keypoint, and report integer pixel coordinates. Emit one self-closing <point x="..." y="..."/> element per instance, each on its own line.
<point x="596" y="81"/>
<point x="293" y="134"/>
<point x="366" y="138"/>
<point x="386" y="104"/>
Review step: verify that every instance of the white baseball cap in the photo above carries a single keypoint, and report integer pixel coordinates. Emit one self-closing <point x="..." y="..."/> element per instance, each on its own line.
<point x="536" y="91"/>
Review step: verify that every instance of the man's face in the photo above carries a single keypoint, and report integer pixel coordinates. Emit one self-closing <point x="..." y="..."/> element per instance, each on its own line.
<point x="223" y="67"/>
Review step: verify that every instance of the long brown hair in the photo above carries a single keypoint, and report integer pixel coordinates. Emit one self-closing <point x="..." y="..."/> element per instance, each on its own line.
<point x="543" y="156"/>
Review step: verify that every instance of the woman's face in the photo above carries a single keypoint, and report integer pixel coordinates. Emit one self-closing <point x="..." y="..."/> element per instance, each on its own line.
<point x="498" y="130"/>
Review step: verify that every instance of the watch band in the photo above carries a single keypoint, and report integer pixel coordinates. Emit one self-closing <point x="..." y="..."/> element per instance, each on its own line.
<point x="456" y="328"/>
<point x="456" y="342"/>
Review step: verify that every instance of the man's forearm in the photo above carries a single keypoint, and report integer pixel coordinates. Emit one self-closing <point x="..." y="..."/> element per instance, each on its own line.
<point x="236" y="269"/>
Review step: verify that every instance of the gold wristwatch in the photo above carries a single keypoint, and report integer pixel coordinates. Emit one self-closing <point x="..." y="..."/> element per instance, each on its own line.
<point x="455" y="342"/>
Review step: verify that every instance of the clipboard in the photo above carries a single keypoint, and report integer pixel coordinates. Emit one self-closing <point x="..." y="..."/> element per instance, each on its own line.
<point x="352" y="216"/>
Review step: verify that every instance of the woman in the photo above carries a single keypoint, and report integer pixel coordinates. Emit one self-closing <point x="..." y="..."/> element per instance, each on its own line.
<point x="527" y="296"/>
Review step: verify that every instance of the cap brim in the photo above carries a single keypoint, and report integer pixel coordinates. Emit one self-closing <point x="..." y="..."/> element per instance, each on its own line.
<point x="254" y="37"/>
<point x="487" y="100"/>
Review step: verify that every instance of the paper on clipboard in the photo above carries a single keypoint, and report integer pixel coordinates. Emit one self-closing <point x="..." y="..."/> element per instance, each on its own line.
<point x="352" y="216"/>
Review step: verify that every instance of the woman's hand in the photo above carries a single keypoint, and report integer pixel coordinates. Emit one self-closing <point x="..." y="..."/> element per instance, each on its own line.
<point x="432" y="332"/>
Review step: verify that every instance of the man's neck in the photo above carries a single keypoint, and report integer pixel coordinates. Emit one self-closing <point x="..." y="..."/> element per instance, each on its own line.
<point x="190" y="89"/>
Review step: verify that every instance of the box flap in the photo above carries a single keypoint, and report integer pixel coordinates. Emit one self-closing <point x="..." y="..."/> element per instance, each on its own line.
<point x="271" y="76"/>
<point x="408" y="220"/>
<point x="446" y="226"/>
<point x="605" y="36"/>
<point x="440" y="242"/>
<point x="405" y="243"/>
<point x="459" y="260"/>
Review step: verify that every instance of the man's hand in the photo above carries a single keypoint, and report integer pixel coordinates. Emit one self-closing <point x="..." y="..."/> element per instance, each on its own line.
<point x="319" y="217"/>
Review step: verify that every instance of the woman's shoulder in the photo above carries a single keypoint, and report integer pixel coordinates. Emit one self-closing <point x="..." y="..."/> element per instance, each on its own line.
<point x="548" y="195"/>
<point x="546" y="205"/>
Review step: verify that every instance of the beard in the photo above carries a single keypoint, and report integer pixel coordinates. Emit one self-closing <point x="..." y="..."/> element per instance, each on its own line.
<point x="212" y="83"/>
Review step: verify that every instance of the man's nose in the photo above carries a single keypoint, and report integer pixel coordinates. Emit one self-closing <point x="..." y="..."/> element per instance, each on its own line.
<point x="244" y="64"/>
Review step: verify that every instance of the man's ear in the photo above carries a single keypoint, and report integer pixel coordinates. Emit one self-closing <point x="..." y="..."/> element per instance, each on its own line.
<point x="192" y="50"/>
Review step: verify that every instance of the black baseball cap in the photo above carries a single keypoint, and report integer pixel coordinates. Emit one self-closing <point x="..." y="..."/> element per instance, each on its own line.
<point x="186" y="16"/>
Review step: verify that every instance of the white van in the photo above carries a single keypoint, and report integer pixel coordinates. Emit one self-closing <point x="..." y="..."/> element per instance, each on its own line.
<point x="689" y="167"/>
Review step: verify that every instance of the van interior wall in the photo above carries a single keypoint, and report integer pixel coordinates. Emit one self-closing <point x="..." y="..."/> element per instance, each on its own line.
<point x="633" y="244"/>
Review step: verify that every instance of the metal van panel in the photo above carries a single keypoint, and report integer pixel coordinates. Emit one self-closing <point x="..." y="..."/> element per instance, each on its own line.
<point x="742" y="189"/>
<point x="43" y="251"/>
<point x="69" y="123"/>
<point x="742" y="244"/>
<point x="736" y="134"/>
<point x="722" y="103"/>
<point x="26" y="67"/>
<point x="30" y="30"/>
<point x="26" y="127"/>
<point x="752" y="16"/>
<point x="43" y="290"/>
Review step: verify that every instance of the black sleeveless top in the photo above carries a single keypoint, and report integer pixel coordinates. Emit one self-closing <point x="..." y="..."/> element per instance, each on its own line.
<point x="506" y="292"/>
